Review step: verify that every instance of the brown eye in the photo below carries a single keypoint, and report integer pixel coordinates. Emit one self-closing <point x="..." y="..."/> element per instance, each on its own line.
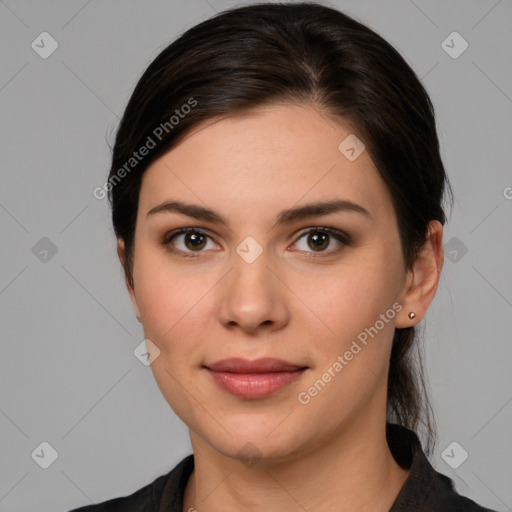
<point x="319" y="239"/>
<point x="187" y="241"/>
<point x="194" y="240"/>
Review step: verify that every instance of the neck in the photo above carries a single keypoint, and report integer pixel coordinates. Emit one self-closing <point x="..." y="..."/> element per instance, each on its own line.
<point x="354" y="471"/>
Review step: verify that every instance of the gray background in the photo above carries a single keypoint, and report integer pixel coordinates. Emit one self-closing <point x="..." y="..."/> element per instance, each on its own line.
<point x="68" y="375"/>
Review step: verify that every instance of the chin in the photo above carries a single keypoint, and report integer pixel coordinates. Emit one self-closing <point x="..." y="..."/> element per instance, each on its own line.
<point x="262" y="440"/>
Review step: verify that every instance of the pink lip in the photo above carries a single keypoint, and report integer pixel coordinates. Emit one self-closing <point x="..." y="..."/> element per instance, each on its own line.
<point x="254" y="379"/>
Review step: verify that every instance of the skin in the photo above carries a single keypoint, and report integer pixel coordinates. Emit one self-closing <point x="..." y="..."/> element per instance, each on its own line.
<point x="293" y="302"/>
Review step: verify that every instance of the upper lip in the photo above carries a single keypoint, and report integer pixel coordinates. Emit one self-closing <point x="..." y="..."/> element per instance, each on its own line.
<point x="263" y="365"/>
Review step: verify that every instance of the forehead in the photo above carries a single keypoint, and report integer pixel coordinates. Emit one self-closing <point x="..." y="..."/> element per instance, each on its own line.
<point x="266" y="159"/>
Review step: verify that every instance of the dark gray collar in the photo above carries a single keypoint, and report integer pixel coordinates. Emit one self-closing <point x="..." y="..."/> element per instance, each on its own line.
<point x="425" y="490"/>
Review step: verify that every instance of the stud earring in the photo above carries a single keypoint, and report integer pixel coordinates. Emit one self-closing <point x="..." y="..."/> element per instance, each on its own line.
<point x="412" y="315"/>
<point x="138" y="318"/>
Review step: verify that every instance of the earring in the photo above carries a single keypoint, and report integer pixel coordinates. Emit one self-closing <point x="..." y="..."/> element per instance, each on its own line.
<point x="412" y="315"/>
<point x="138" y="318"/>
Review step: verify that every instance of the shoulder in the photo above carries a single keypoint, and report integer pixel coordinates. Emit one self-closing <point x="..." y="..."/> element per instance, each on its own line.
<point x="166" y="489"/>
<point x="425" y="490"/>
<point x="444" y="497"/>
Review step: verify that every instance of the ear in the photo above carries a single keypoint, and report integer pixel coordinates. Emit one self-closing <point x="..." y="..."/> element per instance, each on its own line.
<point x="121" y="252"/>
<point x="422" y="280"/>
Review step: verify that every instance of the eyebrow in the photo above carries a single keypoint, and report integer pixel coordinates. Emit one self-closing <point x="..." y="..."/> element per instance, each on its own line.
<point x="285" y="217"/>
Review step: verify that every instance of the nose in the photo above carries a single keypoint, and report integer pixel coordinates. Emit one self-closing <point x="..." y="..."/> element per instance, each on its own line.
<point x="253" y="297"/>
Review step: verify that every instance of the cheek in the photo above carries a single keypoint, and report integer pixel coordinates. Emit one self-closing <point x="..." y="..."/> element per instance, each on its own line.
<point x="171" y="306"/>
<point x="356" y="308"/>
<point x="177" y="302"/>
<point x="164" y="293"/>
<point x="353" y="294"/>
<point x="351" y="356"/>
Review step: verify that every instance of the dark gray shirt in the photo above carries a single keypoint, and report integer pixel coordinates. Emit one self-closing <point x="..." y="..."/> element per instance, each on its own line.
<point x="425" y="490"/>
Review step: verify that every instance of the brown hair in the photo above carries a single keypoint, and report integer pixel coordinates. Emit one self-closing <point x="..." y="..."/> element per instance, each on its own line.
<point x="251" y="56"/>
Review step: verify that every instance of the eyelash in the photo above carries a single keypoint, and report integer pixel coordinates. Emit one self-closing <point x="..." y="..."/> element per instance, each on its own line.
<point x="338" y="235"/>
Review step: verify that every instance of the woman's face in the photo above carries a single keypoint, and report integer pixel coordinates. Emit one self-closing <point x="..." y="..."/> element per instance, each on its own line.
<point x="319" y="291"/>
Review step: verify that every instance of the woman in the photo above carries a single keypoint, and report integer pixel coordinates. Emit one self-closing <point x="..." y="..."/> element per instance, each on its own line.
<point x="277" y="196"/>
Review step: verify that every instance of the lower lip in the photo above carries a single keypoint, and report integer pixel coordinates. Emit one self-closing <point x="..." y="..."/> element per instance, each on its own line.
<point x="255" y="385"/>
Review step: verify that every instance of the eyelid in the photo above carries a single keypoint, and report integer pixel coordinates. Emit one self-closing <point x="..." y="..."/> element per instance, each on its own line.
<point x="339" y="235"/>
<point x="168" y="237"/>
<point x="326" y="229"/>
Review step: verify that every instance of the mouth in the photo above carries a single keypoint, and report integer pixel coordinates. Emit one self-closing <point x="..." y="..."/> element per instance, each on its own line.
<point x="255" y="379"/>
